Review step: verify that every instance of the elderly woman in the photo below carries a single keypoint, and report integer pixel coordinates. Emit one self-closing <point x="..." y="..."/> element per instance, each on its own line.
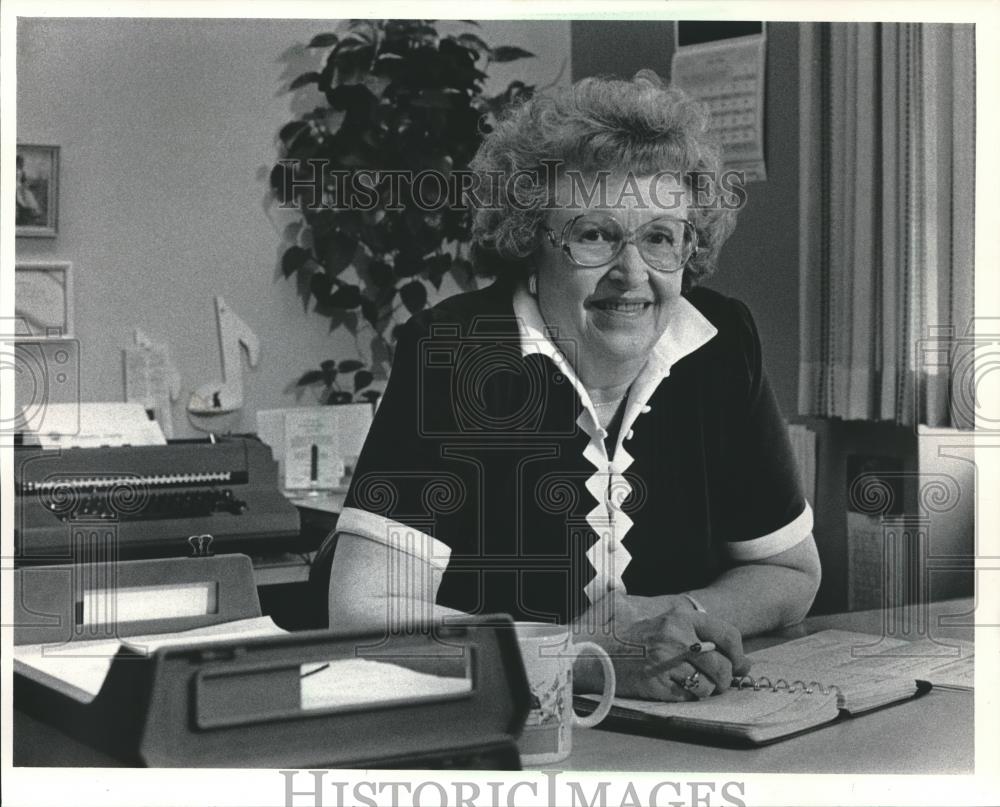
<point x="592" y="439"/>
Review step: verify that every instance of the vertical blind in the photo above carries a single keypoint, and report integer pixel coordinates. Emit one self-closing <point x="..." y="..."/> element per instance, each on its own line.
<point x="887" y="170"/>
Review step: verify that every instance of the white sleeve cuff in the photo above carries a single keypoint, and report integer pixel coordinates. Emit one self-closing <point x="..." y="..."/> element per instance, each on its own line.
<point x="774" y="542"/>
<point x="395" y="535"/>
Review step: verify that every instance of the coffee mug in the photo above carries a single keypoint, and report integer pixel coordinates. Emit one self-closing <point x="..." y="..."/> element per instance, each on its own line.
<point x="548" y="657"/>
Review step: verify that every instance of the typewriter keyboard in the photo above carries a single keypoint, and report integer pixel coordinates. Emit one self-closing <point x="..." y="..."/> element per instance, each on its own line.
<point x="155" y="505"/>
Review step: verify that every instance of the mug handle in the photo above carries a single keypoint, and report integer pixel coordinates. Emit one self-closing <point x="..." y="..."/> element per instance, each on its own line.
<point x="607" y="696"/>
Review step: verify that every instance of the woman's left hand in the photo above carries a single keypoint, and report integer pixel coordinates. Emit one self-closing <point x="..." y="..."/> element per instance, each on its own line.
<point x="653" y="657"/>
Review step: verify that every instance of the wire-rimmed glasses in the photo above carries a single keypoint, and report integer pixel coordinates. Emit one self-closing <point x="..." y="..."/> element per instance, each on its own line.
<point x="665" y="243"/>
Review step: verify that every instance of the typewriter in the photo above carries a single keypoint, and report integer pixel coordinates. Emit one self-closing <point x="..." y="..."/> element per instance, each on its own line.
<point x="189" y="497"/>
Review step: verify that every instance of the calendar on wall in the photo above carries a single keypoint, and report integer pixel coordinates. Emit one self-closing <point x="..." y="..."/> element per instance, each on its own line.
<point x="722" y="64"/>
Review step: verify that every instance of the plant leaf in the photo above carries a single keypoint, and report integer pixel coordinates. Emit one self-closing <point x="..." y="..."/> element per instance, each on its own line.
<point x="436" y="267"/>
<point x="369" y="310"/>
<point x="292" y="129"/>
<point x="347" y="296"/>
<point x="311" y="77"/>
<point x="406" y="266"/>
<point x="473" y="42"/>
<point x="508" y="53"/>
<point x="323" y="41"/>
<point x="362" y="379"/>
<point x="293" y="260"/>
<point x="309" y="377"/>
<point x="277" y="180"/>
<point x="337" y="251"/>
<point x="380" y="274"/>
<point x="414" y="296"/>
<point x="320" y="284"/>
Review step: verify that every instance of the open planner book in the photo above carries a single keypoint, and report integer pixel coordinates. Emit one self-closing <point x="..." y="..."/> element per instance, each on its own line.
<point x="806" y="683"/>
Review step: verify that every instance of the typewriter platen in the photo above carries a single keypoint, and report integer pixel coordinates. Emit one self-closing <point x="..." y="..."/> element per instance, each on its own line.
<point x="189" y="497"/>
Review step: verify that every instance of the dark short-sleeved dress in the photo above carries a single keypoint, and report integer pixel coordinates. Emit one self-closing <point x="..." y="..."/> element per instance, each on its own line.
<point x="486" y="460"/>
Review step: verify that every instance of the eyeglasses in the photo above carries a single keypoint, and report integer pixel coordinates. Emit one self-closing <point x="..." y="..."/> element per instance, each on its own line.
<point x="594" y="239"/>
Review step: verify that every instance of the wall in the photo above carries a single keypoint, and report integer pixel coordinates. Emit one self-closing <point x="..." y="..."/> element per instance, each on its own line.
<point x="167" y="133"/>
<point x="759" y="263"/>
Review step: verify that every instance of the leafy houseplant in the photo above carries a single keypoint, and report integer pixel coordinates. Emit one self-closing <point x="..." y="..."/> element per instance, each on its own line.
<point x="402" y="98"/>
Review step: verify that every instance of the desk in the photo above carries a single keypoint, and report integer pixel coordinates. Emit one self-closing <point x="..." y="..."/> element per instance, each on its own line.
<point x="932" y="734"/>
<point x="318" y="517"/>
<point x="282" y="578"/>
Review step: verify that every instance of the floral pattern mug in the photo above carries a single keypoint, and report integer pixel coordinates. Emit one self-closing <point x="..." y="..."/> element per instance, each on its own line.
<point x="548" y="657"/>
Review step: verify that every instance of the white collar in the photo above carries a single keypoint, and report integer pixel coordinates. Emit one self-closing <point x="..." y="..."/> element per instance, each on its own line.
<point x="687" y="331"/>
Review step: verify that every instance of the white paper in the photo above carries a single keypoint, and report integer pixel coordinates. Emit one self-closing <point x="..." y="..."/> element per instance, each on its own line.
<point x="311" y="440"/>
<point x="947" y="662"/>
<point x="151" y="379"/>
<point x="143" y="603"/>
<point x="338" y="431"/>
<point x="78" y="669"/>
<point x="352" y="682"/>
<point x="88" y="425"/>
<point x="728" y="76"/>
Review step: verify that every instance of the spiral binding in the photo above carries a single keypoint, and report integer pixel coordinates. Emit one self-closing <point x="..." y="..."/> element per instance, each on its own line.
<point x="782" y="685"/>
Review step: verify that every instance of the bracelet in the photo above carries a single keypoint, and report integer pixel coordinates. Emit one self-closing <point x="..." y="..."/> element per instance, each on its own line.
<point x="697" y="605"/>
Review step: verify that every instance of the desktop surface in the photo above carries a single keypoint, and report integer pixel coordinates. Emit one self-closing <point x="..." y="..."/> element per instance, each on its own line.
<point x="930" y="734"/>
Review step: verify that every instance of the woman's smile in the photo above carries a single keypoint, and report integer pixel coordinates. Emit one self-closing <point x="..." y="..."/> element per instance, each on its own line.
<point x="620" y="307"/>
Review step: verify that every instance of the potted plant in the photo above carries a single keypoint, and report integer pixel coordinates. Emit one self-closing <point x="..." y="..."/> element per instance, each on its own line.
<point x="403" y="100"/>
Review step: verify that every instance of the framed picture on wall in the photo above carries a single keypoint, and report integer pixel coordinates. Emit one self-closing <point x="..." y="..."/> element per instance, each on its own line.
<point x="37" y="190"/>
<point x="43" y="298"/>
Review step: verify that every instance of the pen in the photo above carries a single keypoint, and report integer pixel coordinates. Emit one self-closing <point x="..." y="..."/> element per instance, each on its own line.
<point x="693" y="650"/>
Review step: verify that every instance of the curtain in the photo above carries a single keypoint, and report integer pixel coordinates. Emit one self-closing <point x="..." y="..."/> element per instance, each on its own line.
<point x="887" y="168"/>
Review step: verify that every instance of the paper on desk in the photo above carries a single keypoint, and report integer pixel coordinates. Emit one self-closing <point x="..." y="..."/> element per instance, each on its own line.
<point x="88" y="425"/>
<point x="78" y="669"/>
<point x="336" y="433"/>
<point x="311" y="439"/>
<point x="358" y="681"/>
<point x="944" y="662"/>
